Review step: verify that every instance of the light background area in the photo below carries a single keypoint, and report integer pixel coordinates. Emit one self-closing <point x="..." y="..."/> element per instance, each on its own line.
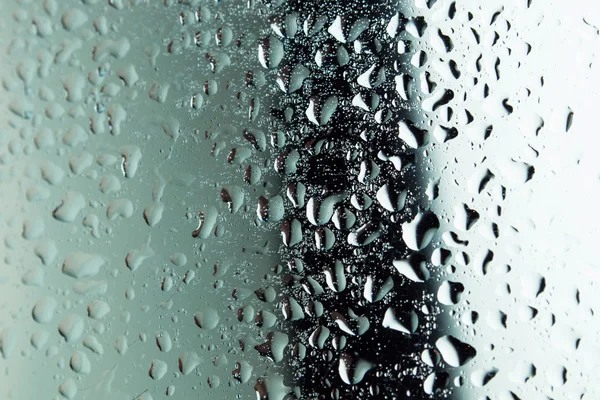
<point x="548" y="227"/>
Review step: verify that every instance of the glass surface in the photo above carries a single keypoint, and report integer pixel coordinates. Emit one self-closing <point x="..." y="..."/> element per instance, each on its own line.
<point x="289" y="199"/>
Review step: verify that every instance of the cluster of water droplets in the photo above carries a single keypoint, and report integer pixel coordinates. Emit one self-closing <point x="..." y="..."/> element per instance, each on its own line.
<point x="282" y="199"/>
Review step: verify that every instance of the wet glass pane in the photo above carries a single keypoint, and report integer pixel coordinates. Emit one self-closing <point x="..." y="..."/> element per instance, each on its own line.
<point x="299" y="199"/>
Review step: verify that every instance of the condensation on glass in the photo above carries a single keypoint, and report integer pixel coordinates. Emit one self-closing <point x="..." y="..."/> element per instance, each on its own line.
<point x="287" y="199"/>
